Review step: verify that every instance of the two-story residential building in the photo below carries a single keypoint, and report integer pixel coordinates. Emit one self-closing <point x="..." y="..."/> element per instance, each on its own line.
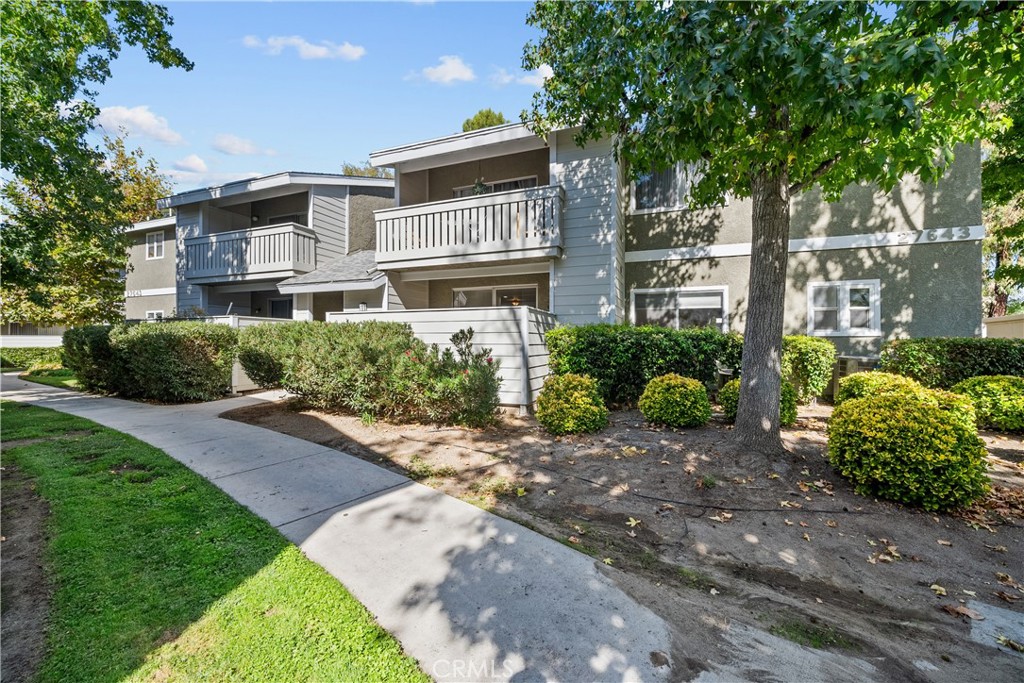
<point x="498" y="219"/>
<point x="227" y="248"/>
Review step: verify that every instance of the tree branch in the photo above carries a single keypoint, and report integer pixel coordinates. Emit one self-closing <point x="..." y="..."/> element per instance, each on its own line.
<point x="821" y="170"/>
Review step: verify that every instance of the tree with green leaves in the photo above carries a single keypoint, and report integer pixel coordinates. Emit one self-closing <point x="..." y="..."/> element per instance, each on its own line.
<point x="1002" y="183"/>
<point x="86" y="254"/>
<point x="769" y="99"/>
<point x="485" y="118"/>
<point x="365" y="169"/>
<point x="54" y="55"/>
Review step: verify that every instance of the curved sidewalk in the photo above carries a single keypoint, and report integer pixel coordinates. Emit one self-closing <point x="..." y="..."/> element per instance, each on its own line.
<point x="472" y="596"/>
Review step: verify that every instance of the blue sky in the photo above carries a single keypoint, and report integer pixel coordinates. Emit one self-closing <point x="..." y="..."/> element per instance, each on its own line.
<point x="306" y="86"/>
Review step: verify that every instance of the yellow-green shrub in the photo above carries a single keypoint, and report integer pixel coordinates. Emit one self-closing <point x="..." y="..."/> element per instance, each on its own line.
<point x="911" y="447"/>
<point x="675" y="401"/>
<point x="873" y="383"/>
<point x="571" y="404"/>
<point x="998" y="400"/>
<point x="807" y="363"/>
<point x="729" y="399"/>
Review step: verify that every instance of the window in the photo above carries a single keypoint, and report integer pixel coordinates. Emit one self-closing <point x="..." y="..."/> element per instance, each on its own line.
<point x="287" y="218"/>
<point x="666" y="190"/>
<point x="682" y="307"/>
<point x="844" y="309"/>
<point x="500" y="186"/>
<point x="154" y="315"/>
<point x="281" y="308"/>
<point x="154" y="245"/>
<point x="483" y="297"/>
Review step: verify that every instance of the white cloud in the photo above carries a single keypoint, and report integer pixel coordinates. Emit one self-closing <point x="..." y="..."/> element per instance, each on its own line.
<point x="193" y="163"/>
<point x="501" y="77"/>
<point x="325" y="49"/>
<point x="236" y="146"/>
<point x="449" y="70"/>
<point x="186" y="180"/>
<point x="139" y="121"/>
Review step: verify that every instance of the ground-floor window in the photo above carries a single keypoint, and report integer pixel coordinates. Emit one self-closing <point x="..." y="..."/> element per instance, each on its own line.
<point x="848" y="308"/>
<point x="482" y="297"/>
<point x="681" y="307"/>
<point x="281" y="308"/>
<point x="154" y="315"/>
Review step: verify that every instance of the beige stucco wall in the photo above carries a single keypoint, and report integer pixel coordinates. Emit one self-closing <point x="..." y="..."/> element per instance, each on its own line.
<point x="135" y="307"/>
<point x="152" y="274"/>
<point x="362" y="202"/>
<point x="436" y="184"/>
<point x="440" y="292"/>
<point x="1006" y="327"/>
<point x="327" y="302"/>
<point x="926" y="290"/>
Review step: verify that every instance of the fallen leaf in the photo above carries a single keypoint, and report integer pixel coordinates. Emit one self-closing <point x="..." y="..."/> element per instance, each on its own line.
<point x="803" y="486"/>
<point x="806" y="472"/>
<point x="939" y="590"/>
<point x="961" y="611"/>
<point x="634" y="522"/>
<point x="872" y="559"/>
<point x="1008" y="597"/>
<point x="631" y="533"/>
<point x="665" y="507"/>
<point x="1012" y="644"/>
<point x="819" y="601"/>
<point x="552" y="492"/>
<point x="831" y="523"/>
<point x="574" y="539"/>
<point x="807" y="536"/>
<point x="624" y="487"/>
<point x="973" y="594"/>
<point x="788" y="523"/>
<point x="665" y="462"/>
<point x="608" y="561"/>
<point x="789" y="504"/>
<point x="520" y="492"/>
<point x="714" y="591"/>
<point x="996" y="548"/>
<point x="772" y="475"/>
<point x="871" y="543"/>
<point x="722" y="517"/>
<point x="942" y="542"/>
<point x="804" y="524"/>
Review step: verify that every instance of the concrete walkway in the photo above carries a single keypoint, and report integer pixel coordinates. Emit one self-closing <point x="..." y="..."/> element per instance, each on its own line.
<point x="472" y="596"/>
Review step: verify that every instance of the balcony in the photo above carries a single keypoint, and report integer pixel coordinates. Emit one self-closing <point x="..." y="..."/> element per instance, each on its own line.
<point x="503" y="226"/>
<point x="275" y="251"/>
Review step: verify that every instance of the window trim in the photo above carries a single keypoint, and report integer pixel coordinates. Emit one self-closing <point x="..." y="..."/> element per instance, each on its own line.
<point x="156" y="315"/>
<point x="679" y="165"/>
<point x="155" y="245"/>
<point x="273" y="220"/>
<point x="843" y="328"/>
<point x="494" y="293"/>
<point x="722" y="289"/>
<point x="535" y="178"/>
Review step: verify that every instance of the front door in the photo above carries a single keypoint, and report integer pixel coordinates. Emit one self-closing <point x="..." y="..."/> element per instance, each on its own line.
<point x="281" y="308"/>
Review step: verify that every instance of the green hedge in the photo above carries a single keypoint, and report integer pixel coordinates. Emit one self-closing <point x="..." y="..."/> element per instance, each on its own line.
<point x="172" y="362"/>
<point x="729" y="399"/>
<point x="998" y="400"/>
<point x="373" y="368"/>
<point x="571" y="404"/>
<point x="26" y="357"/>
<point x="914" y="448"/>
<point x="622" y="359"/>
<point x="807" y="363"/>
<point x="941" y="362"/>
<point x="675" y="401"/>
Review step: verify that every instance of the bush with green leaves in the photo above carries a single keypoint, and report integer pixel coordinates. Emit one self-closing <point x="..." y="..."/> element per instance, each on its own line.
<point x="28" y="357"/>
<point x="998" y="400"/>
<point x="941" y="362"/>
<point x="98" y="367"/>
<point x="464" y="384"/>
<point x="807" y="363"/>
<point x="176" y="361"/>
<point x="873" y="383"/>
<point x="571" y="404"/>
<point x="729" y="399"/>
<point x="675" y="401"/>
<point x="909" y="448"/>
<point x="622" y="359"/>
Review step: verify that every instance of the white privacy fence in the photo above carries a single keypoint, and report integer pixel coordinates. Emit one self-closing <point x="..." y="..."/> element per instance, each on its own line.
<point x="515" y="335"/>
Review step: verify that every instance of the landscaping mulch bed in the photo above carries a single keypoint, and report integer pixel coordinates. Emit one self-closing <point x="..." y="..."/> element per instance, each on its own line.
<point x="707" y="534"/>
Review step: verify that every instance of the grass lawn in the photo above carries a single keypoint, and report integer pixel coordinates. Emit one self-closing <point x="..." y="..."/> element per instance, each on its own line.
<point x="61" y="378"/>
<point x="159" y="575"/>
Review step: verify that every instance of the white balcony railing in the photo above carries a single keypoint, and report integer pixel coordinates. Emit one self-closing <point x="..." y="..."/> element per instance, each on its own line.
<point x="510" y="225"/>
<point x="286" y="249"/>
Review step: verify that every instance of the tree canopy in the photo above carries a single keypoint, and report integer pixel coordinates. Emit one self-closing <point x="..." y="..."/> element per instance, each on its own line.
<point x="1003" y="194"/>
<point x="485" y="118"/>
<point x="769" y="99"/>
<point x="366" y="170"/>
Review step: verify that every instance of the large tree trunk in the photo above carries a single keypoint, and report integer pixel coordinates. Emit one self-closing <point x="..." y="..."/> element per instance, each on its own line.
<point x="757" y="420"/>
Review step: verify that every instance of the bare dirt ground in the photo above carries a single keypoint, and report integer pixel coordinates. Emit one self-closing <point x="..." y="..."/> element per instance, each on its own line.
<point x="25" y="588"/>
<point x="709" y="537"/>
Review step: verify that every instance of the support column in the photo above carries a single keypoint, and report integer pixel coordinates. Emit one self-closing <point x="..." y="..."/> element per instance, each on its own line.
<point x="302" y="306"/>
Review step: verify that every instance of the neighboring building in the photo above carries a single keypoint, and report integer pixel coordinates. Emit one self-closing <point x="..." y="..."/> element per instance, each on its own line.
<point x="228" y="247"/>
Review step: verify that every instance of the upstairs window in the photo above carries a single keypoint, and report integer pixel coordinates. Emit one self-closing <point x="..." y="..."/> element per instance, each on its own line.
<point x="849" y="308"/>
<point x="154" y="245"/>
<point x="667" y="190"/>
<point x="683" y="307"/>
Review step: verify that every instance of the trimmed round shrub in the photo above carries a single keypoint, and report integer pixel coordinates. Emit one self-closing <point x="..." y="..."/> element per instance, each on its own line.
<point x="807" y="363"/>
<point x="571" y="404"/>
<point x="729" y="399"/>
<point x="998" y="400"/>
<point x="907" y="447"/>
<point x="675" y="401"/>
<point x="873" y="383"/>
<point x="98" y="366"/>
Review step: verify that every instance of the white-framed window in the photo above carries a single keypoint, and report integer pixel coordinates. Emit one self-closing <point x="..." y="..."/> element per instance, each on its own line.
<point x="505" y="295"/>
<point x="154" y="315"/>
<point x="523" y="183"/>
<point x="154" y="245"/>
<point x="679" y="307"/>
<point x="667" y="190"/>
<point x="847" y="308"/>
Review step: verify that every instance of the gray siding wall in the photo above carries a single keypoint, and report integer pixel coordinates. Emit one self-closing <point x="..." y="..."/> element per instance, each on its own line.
<point x="362" y="202"/>
<point x="189" y="225"/>
<point x="373" y="298"/>
<point x="406" y="295"/>
<point x="330" y="212"/>
<point x="584" y="280"/>
<point x="327" y="302"/>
